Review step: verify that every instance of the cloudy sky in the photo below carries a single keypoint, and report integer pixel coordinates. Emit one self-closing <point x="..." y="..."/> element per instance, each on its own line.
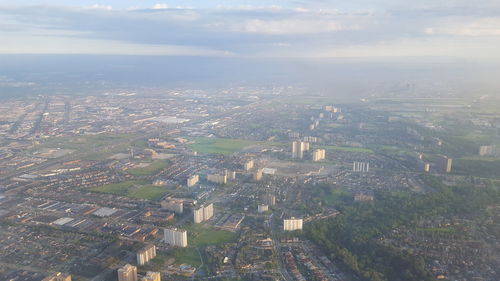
<point x="265" y="29"/>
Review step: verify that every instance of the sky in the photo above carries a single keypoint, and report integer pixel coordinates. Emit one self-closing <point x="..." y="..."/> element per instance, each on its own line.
<point x="254" y="29"/>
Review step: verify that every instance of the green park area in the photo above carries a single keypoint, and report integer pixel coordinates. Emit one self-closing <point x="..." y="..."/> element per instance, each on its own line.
<point x="201" y="235"/>
<point x="91" y="147"/>
<point x="139" y="189"/>
<point x="347" y="149"/>
<point x="224" y="146"/>
<point x="150" y="169"/>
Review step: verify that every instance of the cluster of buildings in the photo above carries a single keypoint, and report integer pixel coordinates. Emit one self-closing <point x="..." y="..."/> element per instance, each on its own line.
<point x="129" y="273"/>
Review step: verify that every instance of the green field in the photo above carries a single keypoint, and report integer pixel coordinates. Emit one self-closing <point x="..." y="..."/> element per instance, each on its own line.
<point x="440" y="229"/>
<point x="149" y="170"/>
<point x="347" y="149"/>
<point x="200" y="235"/>
<point x="188" y="256"/>
<point x="139" y="189"/>
<point x="91" y="147"/>
<point x="224" y="146"/>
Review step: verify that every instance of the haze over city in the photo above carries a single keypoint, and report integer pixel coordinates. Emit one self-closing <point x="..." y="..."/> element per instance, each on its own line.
<point x="249" y="140"/>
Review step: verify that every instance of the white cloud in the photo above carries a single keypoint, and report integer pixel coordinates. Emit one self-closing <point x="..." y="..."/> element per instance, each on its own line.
<point x="467" y="27"/>
<point x="101" y="7"/>
<point x="160" y="6"/>
<point x="52" y="44"/>
<point x="292" y="26"/>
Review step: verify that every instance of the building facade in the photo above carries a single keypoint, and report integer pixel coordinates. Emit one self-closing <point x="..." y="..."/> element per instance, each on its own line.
<point x="319" y="154"/>
<point x="127" y="273"/>
<point x="146" y="254"/>
<point x="292" y="224"/>
<point x="175" y="237"/>
<point x="203" y="213"/>
<point x="216" y="178"/>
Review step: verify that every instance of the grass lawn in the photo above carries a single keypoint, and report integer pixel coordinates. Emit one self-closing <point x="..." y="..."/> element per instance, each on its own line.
<point x="149" y="170"/>
<point x="224" y="146"/>
<point x="188" y="256"/>
<point x="440" y="230"/>
<point x="139" y="189"/>
<point x="347" y="149"/>
<point x="179" y="255"/>
<point x="147" y="192"/>
<point x="200" y="235"/>
<point x="92" y="147"/>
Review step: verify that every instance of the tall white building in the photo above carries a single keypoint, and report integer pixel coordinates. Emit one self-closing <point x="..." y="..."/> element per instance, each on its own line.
<point x="230" y="175"/>
<point x="292" y="224"/>
<point x="360" y="167"/>
<point x="298" y="149"/>
<point x="248" y="165"/>
<point x="216" y="178"/>
<point x="146" y="254"/>
<point x="257" y="176"/>
<point x="319" y="154"/>
<point x="127" y="273"/>
<point x="203" y="213"/>
<point x="175" y="237"/>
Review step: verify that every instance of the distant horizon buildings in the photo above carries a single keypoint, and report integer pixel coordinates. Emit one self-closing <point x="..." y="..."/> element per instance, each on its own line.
<point x="175" y="237"/>
<point x="127" y="273"/>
